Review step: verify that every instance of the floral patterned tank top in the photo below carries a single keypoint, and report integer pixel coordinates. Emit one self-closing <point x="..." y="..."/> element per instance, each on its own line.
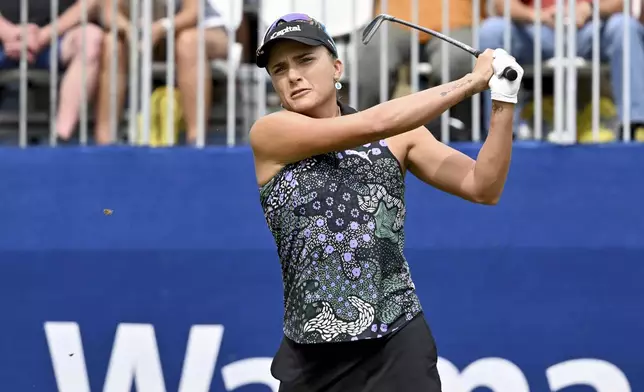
<point x="337" y="220"/>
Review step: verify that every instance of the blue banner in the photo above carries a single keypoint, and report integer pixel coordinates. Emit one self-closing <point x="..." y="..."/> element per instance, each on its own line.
<point x="153" y="270"/>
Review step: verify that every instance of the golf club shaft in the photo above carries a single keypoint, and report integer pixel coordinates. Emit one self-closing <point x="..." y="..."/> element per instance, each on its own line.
<point x="436" y="34"/>
<point x="508" y="73"/>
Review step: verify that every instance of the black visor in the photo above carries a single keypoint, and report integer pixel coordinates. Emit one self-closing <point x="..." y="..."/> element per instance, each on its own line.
<point x="308" y="33"/>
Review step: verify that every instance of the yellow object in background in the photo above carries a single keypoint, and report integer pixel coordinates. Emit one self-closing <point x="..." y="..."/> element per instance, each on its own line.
<point x="607" y="113"/>
<point x="159" y="118"/>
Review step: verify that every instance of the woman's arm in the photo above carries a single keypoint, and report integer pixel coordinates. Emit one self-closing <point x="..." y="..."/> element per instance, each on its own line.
<point x="71" y="18"/>
<point x="108" y="16"/>
<point x="187" y="17"/>
<point x="481" y="180"/>
<point x="286" y="137"/>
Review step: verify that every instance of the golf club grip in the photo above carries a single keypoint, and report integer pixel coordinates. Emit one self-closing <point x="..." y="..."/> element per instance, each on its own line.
<point x="508" y="72"/>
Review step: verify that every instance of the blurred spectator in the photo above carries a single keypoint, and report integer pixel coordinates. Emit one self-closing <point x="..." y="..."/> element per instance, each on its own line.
<point x="613" y="23"/>
<point x="70" y="51"/>
<point x="399" y="44"/>
<point x="186" y="35"/>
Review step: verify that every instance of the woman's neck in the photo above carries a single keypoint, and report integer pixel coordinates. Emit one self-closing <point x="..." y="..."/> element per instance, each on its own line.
<point x="327" y="110"/>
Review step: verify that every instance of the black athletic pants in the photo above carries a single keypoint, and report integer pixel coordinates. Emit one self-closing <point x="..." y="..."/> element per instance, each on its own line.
<point x="402" y="362"/>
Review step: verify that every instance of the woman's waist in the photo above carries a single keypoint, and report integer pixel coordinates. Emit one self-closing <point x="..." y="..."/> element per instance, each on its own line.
<point x="336" y="284"/>
<point x="338" y="263"/>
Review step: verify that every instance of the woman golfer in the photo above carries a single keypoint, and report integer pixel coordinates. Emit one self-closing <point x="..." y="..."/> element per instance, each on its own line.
<point x="332" y="189"/>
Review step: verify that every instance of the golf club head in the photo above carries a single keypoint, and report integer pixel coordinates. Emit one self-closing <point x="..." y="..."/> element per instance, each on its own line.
<point x="373" y="27"/>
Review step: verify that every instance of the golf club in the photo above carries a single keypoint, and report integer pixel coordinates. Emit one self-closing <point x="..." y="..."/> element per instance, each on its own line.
<point x="373" y="27"/>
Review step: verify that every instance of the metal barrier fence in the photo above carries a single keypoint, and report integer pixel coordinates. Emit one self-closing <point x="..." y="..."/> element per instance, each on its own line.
<point x="345" y="26"/>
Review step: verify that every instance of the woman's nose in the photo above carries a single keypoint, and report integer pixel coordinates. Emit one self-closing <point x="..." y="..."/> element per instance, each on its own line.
<point x="294" y="75"/>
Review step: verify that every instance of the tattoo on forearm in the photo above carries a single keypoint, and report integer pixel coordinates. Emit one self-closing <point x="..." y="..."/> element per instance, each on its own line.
<point x="456" y="87"/>
<point x="496" y="108"/>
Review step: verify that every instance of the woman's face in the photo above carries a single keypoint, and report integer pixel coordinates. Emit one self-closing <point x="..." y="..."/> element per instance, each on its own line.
<point x="303" y="76"/>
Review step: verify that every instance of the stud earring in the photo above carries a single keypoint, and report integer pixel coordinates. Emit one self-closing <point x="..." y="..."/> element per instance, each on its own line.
<point x="338" y="85"/>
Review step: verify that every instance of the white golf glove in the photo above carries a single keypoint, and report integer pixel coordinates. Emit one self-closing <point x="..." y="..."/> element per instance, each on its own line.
<point x="501" y="88"/>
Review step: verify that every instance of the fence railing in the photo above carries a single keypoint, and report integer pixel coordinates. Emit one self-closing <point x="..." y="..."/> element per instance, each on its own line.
<point x="250" y="86"/>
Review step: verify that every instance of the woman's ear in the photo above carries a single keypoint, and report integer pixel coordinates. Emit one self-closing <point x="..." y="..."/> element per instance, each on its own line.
<point x="339" y="69"/>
